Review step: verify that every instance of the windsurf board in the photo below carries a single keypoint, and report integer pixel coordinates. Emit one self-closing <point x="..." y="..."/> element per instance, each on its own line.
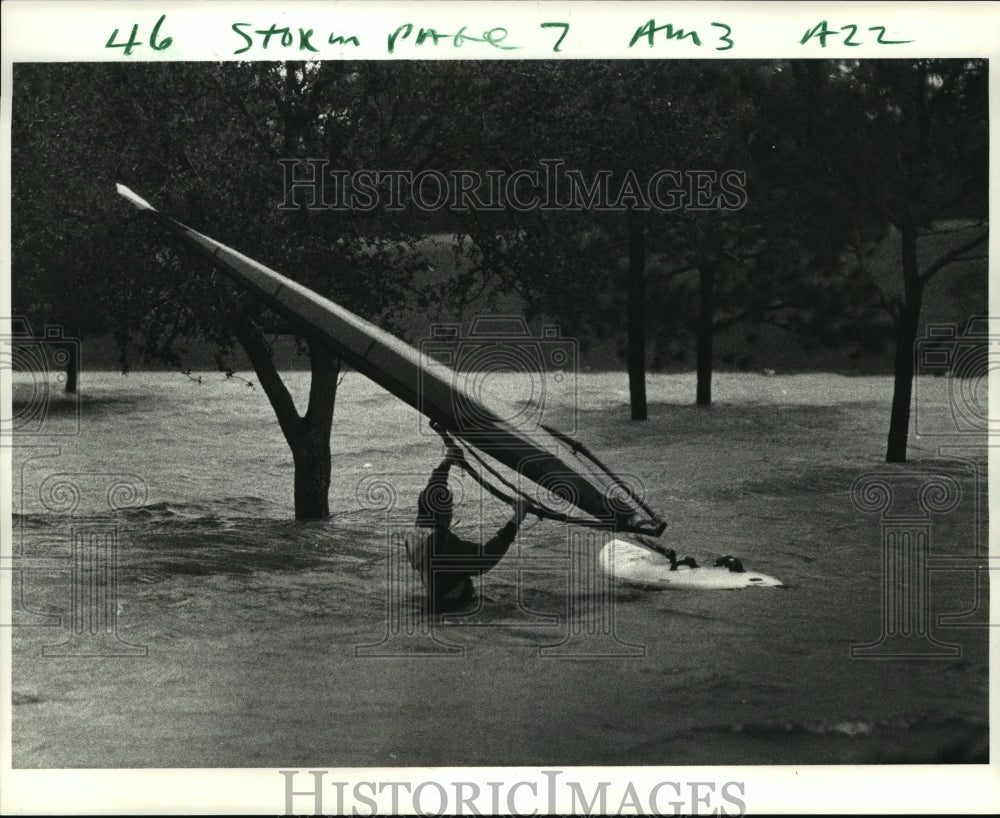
<point x="635" y="565"/>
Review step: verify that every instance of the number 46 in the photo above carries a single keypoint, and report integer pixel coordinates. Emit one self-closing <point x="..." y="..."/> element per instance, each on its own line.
<point x="154" y="40"/>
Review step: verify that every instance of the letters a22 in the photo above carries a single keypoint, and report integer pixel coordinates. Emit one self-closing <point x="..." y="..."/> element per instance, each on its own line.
<point x="821" y="31"/>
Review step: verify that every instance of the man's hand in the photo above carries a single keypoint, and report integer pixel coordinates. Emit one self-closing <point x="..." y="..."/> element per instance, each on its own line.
<point x="521" y="508"/>
<point x="454" y="455"/>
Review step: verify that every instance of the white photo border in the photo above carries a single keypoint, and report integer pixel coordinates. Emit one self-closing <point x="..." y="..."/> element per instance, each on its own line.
<point x="40" y="31"/>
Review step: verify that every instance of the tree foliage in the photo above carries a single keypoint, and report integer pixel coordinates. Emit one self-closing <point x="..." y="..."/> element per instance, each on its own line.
<point x="898" y="145"/>
<point x="204" y="143"/>
<point x="645" y="276"/>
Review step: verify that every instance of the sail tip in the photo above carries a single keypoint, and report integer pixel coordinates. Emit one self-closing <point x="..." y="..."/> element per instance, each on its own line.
<point x="648" y="528"/>
<point x="133" y="197"/>
<point x="650" y="525"/>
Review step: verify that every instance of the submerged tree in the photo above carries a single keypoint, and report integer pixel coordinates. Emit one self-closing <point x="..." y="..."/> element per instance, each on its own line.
<point x="600" y="139"/>
<point x="897" y="145"/>
<point x="60" y="275"/>
<point x="722" y="244"/>
<point x="203" y="142"/>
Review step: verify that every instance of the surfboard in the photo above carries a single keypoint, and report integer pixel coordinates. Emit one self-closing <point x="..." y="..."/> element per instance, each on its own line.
<point x="635" y="565"/>
<point x="552" y="461"/>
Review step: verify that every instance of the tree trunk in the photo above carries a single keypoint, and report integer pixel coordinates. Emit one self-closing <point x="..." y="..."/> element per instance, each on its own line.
<point x="308" y="436"/>
<point x="311" y="449"/>
<point x="906" y="338"/>
<point x="705" y="334"/>
<point x="637" y="315"/>
<point x="72" y="367"/>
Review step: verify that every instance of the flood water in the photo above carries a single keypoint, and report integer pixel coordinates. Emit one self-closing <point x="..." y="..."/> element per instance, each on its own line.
<point x="242" y="638"/>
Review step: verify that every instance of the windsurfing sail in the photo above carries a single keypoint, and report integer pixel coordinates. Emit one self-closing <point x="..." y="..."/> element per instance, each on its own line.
<point x="561" y="467"/>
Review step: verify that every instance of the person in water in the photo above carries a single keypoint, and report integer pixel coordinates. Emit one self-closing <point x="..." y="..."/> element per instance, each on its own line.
<point x="446" y="562"/>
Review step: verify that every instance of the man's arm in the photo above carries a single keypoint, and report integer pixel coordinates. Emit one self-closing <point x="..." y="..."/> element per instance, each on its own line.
<point x="452" y="457"/>
<point x="497" y="546"/>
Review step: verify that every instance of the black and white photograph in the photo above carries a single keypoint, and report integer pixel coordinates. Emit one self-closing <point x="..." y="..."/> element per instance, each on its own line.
<point x="484" y="424"/>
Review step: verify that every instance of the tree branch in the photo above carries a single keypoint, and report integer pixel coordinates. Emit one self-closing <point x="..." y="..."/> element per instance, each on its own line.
<point x="278" y="326"/>
<point x="732" y="320"/>
<point x="887" y="303"/>
<point x="325" y="367"/>
<point x="938" y="231"/>
<point x="675" y="272"/>
<point x="951" y="256"/>
<point x="961" y="196"/>
<point x="240" y="105"/>
<point x="252" y="340"/>
<point x="735" y="318"/>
